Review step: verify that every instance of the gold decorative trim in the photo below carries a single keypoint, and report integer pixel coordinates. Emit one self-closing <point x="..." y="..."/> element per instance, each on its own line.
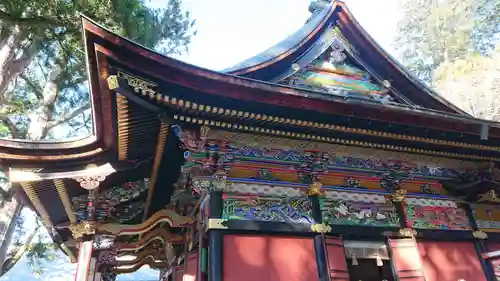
<point x="314" y="189"/>
<point x="222" y="124"/>
<point x="138" y="84"/>
<point x="160" y="147"/>
<point x="215" y="224"/>
<point x="81" y="229"/>
<point x="145" y="88"/>
<point x="122" y="123"/>
<point x="408" y="232"/>
<point x="33" y="196"/>
<point x="63" y="194"/>
<point x="321" y="228"/>
<point x="399" y="195"/>
<point x="112" y="82"/>
<point x="478" y="234"/>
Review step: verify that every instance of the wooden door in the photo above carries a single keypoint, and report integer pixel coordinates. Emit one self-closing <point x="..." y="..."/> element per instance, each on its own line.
<point x="406" y="259"/>
<point x="337" y="265"/>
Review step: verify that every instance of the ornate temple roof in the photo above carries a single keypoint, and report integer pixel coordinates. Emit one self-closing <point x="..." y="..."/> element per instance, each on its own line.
<point x="329" y="84"/>
<point x="313" y="39"/>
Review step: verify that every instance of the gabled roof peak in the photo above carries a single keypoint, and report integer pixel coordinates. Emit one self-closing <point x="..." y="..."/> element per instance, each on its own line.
<point x="312" y="40"/>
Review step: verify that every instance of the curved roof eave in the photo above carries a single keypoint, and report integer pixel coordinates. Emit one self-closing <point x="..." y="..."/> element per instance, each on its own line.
<point x="398" y="66"/>
<point x="176" y="71"/>
<point x="295" y="45"/>
<point x="302" y="38"/>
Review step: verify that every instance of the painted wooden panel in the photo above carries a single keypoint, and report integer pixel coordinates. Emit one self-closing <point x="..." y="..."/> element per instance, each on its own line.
<point x="450" y="261"/>
<point x="492" y="247"/>
<point x="191" y="266"/>
<point x="487" y="217"/>
<point x="337" y="264"/>
<point x="406" y="260"/>
<point x="427" y="213"/>
<point x="349" y="208"/>
<point x="269" y="258"/>
<point x="266" y="208"/>
<point x="495" y="263"/>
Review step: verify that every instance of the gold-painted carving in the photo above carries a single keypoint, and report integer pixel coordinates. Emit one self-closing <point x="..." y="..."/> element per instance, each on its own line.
<point x="478" y="234"/>
<point x="314" y="188"/>
<point x="408" y="232"/>
<point x="489" y="196"/>
<point x="216" y="224"/>
<point x="139" y="85"/>
<point x="81" y="229"/>
<point x="112" y="82"/>
<point x="219" y="181"/>
<point x="90" y="182"/>
<point x="321" y="228"/>
<point x="398" y="195"/>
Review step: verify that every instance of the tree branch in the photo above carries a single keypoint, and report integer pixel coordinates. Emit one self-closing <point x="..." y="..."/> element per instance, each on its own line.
<point x="36" y="89"/>
<point x="12" y="127"/>
<point x="12" y="261"/>
<point x="68" y="117"/>
<point x="8" y="17"/>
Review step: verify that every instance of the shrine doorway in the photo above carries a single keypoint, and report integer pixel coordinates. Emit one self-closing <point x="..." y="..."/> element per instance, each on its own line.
<point x="368" y="261"/>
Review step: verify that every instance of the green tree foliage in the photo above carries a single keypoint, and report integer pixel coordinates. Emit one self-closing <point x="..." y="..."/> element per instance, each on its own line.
<point x="431" y="32"/>
<point x="43" y="77"/>
<point x="452" y="45"/>
<point x="42" y="72"/>
<point x="472" y="83"/>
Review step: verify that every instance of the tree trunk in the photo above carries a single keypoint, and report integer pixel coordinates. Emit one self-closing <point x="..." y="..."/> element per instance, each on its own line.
<point x="12" y="261"/>
<point x="11" y="64"/>
<point x="39" y="125"/>
<point x="8" y="213"/>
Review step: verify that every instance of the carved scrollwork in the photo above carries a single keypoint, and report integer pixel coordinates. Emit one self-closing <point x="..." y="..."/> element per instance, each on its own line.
<point x="104" y="241"/>
<point x="90" y="182"/>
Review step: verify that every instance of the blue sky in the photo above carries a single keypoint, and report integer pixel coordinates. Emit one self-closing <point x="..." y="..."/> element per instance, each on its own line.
<point x="230" y="31"/>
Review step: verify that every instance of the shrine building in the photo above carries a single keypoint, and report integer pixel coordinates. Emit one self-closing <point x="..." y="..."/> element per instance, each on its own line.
<point x="321" y="158"/>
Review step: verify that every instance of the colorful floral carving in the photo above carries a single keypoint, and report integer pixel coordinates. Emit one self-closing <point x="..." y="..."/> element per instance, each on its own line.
<point x="112" y="205"/>
<point x="340" y="212"/>
<point x="283" y="209"/>
<point x="437" y="217"/>
<point x="317" y="162"/>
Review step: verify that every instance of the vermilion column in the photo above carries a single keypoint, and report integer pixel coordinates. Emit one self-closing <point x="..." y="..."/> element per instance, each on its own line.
<point x="85" y="269"/>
